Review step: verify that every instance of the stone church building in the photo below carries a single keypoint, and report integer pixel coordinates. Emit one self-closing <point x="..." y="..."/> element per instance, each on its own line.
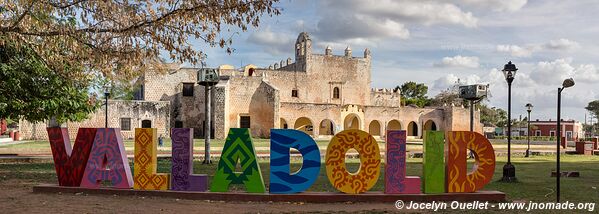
<point x="320" y="94"/>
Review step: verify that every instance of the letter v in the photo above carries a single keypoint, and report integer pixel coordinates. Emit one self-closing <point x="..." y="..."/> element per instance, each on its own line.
<point x="70" y="162"/>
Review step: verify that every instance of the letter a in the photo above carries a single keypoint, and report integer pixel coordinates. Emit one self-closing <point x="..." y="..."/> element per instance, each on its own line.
<point x="281" y="179"/>
<point x="145" y="176"/>
<point x="238" y="148"/>
<point x="108" y="161"/>
<point x="484" y="166"/>
<point x="70" y="163"/>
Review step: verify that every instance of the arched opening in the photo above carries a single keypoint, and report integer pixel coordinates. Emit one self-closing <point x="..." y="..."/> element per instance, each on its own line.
<point x="297" y="49"/>
<point x="336" y="93"/>
<point x="430" y="125"/>
<point x="326" y="127"/>
<point x="304" y="124"/>
<point x="283" y="124"/>
<point x="412" y="129"/>
<point x="351" y="122"/>
<point x="146" y="124"/>
<point x="374" y="128"/>
<point x="394" y="125"/>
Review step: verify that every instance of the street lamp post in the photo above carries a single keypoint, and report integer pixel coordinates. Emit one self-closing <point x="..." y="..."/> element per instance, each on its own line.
<point x="528" y="109"/>
<point x="106" y="95"/>
<point x="207" y="78"/>
<point x="509" y="171"/>
<point x="567" y="83"/>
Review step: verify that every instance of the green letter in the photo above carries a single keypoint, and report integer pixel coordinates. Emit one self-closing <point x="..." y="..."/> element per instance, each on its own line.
<point x="238" y="148"/>
<point x="434" y="168"/>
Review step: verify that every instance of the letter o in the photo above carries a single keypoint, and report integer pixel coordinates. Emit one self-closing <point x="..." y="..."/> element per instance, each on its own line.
<point x="370" y="161"/>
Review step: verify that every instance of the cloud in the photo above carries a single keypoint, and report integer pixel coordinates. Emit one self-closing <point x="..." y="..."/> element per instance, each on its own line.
<point x="275" y="43"/>
<point x="587" y="73"/>
<point x="459" y="61"/>
<point x="515" y="50"/>
<point x="344" y="20"/>
<point x="350" y="26"/>
<point x="562" y="44"/>
<point x="495" y="5"/>
<point x="554" y="72"/>
<point x="528" y="49"/>
<point x="450" y="80"/>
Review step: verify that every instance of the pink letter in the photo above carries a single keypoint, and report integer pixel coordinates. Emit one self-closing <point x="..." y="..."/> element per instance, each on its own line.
<point x="108" y="161"/>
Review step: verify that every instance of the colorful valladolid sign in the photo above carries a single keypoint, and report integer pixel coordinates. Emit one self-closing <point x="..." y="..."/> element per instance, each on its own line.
<point x="98" y="156"/>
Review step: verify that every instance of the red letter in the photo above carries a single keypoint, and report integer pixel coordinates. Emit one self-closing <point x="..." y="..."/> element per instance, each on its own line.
<point x="69" y="163"/>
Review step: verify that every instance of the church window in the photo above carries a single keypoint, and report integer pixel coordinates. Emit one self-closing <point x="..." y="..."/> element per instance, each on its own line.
<point x="244" y="122"/>
<point x="336" y="93"/>
<point x="126" y="124"/>
<point x="294" y="93"/>
<point x="188" y="89"/>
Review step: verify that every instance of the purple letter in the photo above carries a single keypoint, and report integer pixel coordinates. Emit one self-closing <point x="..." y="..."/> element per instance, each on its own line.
<point x="182" y="168"/>
<point x="395" y="166"/>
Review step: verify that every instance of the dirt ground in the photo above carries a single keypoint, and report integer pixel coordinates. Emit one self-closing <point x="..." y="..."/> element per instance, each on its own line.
<point x="18" y="197"/>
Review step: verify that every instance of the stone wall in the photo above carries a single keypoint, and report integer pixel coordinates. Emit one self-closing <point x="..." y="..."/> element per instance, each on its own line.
<point x="162" y="86"/>
<point x="158" y="112"/>
<point x="460" y="119"/>
<point x="351" y="75"/>
<point x="384" y="97"/>
<point x="253" y="97"/>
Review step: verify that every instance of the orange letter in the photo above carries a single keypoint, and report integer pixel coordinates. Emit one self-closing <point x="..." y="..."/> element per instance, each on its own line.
<point x="370" y="161"/>
<point x="484" y="166"/>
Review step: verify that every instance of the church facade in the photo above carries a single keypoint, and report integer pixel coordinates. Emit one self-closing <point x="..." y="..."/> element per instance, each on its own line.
<point x="320" y="94"/>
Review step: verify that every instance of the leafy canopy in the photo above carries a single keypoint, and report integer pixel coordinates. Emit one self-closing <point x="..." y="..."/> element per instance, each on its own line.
<point x="122" y="38"/>
<point x="413" y="94"/>
<point x="593" y="107"/>
<point x="32" y="91"/>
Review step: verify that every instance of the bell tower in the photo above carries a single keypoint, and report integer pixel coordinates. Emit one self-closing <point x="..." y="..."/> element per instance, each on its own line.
<point x="303" y="49"/>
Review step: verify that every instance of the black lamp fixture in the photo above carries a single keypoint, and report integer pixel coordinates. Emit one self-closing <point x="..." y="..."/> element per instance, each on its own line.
<point x="528" y="109"/>
<point x="509" y="171"/>
<point x="566" y="84"/>
<point x="106" y="95"/>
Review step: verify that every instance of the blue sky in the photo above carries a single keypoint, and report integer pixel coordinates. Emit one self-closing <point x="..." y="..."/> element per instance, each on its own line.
<point x="438" y="42"/>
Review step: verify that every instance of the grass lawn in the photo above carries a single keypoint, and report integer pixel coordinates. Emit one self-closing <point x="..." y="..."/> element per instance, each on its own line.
<point x="534" y="184"/>
<point x="261" y="145"/>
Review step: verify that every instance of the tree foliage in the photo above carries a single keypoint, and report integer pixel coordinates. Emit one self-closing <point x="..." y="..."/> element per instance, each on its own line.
<point x="122" y="38"/>
<point x="413" y="94"/>
<point x="31" y="90"/>
<point x="593" y="107"/>
<point x="447" y="97"/>
<point x="493" y="116"/>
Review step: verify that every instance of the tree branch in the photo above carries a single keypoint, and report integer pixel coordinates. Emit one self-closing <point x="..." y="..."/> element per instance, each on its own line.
<point x="22" y="15"/>
<point x="121" y="30"/>
<point x="65" y="5"/>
